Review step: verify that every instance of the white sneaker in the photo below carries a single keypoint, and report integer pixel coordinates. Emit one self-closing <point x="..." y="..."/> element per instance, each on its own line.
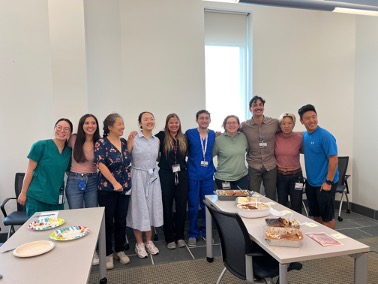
<point x="151" y="248"/>
<point x="181" y="243"/>
<point x="109" y="262"/>
<point x="122" y="257"/>
<point x="95" y="259"/>
<point x="141" y="250"/>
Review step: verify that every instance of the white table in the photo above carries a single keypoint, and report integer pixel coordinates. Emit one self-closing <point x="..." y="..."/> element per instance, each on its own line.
<point x="67" y="262"/>
<point x="285" y="255"/>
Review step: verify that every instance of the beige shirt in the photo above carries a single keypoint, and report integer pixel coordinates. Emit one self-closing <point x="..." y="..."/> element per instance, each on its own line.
<point x="261" y="141"/>
<point x="82" y="168"/>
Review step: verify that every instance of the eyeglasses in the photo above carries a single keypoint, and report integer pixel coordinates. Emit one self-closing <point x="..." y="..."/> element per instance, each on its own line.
<point x="62" y="129"/>
<point x="232" y="123"/>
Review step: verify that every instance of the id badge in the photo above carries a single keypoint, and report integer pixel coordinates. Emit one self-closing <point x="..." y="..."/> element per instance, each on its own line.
<point x="298" y="186"/>
<point x="204" y="163"/>
<point x="263" y="144"/>
<point x="82" y="185"/>
<point x="176" y="168"/>
<point x="226" y="185"/>
<point x="61" y="196"/>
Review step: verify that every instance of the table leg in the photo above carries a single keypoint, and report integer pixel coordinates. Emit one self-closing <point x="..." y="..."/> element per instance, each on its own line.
<point x="283" y="273"/>
<point x="361" y="268"/>
<point x="209" y="237"/>
<point x="102" y="252"/>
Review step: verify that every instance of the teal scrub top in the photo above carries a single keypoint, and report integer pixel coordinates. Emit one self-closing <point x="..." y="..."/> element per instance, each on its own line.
<point x="48" y="177"/>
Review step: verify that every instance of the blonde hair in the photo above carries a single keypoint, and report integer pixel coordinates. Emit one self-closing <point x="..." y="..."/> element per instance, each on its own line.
<point x="287" y="114"/>
<point x="180" y="137"/>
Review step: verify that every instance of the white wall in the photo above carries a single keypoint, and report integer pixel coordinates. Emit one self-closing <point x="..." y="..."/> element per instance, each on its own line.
<point x="365" y="131"/>
<point x="130" y="56"/>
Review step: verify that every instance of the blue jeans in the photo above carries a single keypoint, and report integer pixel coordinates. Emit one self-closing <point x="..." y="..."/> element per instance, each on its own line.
<point x="286" y="187"/>
<point x="81" y="190"/>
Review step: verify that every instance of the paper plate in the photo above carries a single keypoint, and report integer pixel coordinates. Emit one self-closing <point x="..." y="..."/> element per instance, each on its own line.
<point x="33" y="248"/>
<point x="69" y="233"/>
<point x="47" y="223"/>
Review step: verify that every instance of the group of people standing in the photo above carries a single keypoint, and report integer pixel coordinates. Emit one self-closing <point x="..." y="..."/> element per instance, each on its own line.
<point x="123" y="177"/>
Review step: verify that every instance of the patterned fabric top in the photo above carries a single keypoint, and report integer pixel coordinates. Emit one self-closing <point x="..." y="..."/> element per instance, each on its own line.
<point x="117" y="162"/>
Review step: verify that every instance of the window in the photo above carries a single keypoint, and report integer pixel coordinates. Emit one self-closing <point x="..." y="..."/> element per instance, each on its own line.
<point x="228" y="65"/>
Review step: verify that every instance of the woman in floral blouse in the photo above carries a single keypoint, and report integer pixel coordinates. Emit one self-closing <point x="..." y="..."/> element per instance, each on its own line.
<point x="114" y="182"/>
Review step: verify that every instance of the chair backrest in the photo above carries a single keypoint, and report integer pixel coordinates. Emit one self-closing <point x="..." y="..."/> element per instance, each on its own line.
<point x="342" y="168"/>
<point x="19" y="180"/>
<point x="235" y="240"/>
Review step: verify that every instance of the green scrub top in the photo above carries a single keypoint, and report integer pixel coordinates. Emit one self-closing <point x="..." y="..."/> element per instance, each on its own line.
<point x="48" y="177"/>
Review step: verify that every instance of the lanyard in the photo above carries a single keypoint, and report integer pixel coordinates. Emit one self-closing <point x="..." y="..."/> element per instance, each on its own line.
<point x="175" y="149"/>
<point x="204" y="148"/>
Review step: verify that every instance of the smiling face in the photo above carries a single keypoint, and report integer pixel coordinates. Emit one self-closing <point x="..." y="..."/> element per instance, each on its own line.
<point x="203" y="120"/>
<point x="173" y="126"/>
<point x="90" y="126"/>
<point x="147" y="121"/>
<point x="310" y="121"/>
<point x="232" y="126"/>
<point x="62" y="130"/>
<point x="117" y="128"/>
<point x="257" y="108"/>
<point x="287" y="125"/>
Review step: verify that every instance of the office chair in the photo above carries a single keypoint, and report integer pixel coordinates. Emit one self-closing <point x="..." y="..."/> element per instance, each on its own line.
<point x="342" y="185"/>
<point x="19" y="217"/>
<point x="241" y="256"/>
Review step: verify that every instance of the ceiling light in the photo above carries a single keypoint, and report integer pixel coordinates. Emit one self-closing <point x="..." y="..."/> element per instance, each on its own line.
<point x="355" y="11"/>
<point x="331" y="6"/>
<point x="224" y="1"/>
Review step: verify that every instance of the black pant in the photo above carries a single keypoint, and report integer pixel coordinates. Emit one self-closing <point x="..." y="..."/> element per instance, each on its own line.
<point x="286" y="187"/>
<point x="116" y="205"/>
<point x="174" y="225"/>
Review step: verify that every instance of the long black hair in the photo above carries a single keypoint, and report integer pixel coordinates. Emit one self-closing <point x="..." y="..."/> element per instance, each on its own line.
<point x="80" y="138"/>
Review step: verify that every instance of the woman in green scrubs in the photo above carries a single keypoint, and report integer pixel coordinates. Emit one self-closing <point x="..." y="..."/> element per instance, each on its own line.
<point x="49" y="159"/>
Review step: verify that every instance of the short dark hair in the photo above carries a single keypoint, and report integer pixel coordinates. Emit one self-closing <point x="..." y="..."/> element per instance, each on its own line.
<point x="255" y="99"/>
<point x="201" y="112"/>
<point x="306" y="108"/>
<point x="66" y="120"/>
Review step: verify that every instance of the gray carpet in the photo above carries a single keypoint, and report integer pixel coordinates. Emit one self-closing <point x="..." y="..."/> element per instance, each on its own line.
<point x="338" y="270"/>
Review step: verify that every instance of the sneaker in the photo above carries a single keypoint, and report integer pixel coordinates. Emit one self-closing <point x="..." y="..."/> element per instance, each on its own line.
<point x="141" y="250"/>
<point x="171" y="245"/>
<point x="192" y="242"/>
<point x="181" y="243"/>
<point x="151" y="248"/>
<point x="95" y="259"/>
<point x="122" y="257"/>
<point x="109" y="262"/>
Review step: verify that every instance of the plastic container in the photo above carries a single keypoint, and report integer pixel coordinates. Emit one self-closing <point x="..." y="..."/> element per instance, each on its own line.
<point x="253" y="210"/>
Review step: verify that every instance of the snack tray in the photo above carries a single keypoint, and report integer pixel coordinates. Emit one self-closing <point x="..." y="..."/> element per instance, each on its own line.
<point x="295" y="242"/>
<point x="231" y="194"/>
<point x="262" y="211"/>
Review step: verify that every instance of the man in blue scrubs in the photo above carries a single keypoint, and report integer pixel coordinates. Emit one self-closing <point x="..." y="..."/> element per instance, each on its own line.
<point x="200" y="172"/>
<point x="320" y="154"/>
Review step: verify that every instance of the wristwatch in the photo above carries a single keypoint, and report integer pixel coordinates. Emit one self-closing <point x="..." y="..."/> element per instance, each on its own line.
<point x="330" y="182"/>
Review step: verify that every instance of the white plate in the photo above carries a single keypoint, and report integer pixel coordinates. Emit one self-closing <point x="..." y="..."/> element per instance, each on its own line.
<point x="70" y="233"/>
<point x="33" y="248"/>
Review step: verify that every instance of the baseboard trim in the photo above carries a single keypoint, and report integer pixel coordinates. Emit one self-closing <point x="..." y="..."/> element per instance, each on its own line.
<point x="360" y="209"/>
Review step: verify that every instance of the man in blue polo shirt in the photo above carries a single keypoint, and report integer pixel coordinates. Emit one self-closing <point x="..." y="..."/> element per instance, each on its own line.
<point x="320" y="154"/>
<point x="200" y="172"/>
